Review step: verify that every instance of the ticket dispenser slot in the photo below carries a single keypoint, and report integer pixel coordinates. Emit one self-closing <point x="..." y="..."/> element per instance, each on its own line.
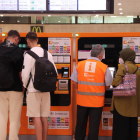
<point x="62" y="95"/>
<point x="63" y="72"/>
<point x="59" y="73"/>
<point x="63" y="85"/>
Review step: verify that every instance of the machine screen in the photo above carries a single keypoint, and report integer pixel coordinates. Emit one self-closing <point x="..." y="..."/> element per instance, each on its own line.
<point x="60" y="5"/>
<point x="37" y="5"/>
<point x="65" y="72"/>
<point x="112" y="70"/>
<point x="23" y="5"/>
<point x="8" y="4"/>
<point x="77" y="5"/>
<point x="92" y="5"/>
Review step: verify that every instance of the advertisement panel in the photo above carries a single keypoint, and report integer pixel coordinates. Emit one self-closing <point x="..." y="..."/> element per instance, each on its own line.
<point x="59" y="46"/>
<point x="133" y="43"/>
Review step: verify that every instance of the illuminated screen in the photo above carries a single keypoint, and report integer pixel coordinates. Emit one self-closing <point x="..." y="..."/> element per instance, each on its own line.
<point x="60" y="5"/>
<point x="32" y="5"/>
<point x="92" y="5"/>
<point x="8" y="4"/>
<point x="65" y="72"/>
<point x="112" y="70"/>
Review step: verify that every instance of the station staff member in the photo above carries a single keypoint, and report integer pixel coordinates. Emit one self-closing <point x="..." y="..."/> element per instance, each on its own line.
<point x="92" y="78"/>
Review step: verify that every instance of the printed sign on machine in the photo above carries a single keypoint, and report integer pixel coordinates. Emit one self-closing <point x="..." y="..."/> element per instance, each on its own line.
<point x="133" y="43"/>
<point x="56" y="120"/>
<point x="107" y="120"/>
<point x="59" y="46"/>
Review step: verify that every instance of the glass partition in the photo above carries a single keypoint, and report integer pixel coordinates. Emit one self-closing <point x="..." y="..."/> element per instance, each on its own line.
<point x="83" y="19"/>
<point x="119" y="19"/>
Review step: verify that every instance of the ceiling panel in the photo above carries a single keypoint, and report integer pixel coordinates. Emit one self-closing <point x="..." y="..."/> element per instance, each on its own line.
<point x="130" y="7"/>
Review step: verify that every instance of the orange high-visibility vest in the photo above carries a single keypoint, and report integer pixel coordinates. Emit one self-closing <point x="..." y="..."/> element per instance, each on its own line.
<point x="91" y="83"/>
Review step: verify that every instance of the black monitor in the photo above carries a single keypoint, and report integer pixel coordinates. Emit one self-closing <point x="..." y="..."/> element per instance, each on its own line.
<point x="32" y="5"/>
<point x="57" y="6"/>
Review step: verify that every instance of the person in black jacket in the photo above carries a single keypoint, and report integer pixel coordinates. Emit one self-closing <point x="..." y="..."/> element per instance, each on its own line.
<point x="11" y="98"/>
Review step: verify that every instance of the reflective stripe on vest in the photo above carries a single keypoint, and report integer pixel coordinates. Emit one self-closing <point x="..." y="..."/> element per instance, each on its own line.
<point x="91" y="93"/>
<point x="90" y="83"/>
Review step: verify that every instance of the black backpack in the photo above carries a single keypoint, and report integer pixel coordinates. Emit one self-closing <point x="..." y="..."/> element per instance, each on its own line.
<point x="6" y="72"/>
<point x="45" y="77"/>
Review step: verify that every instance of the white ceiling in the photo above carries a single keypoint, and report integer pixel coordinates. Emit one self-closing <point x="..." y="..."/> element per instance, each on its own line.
<point x="130" y="7"/>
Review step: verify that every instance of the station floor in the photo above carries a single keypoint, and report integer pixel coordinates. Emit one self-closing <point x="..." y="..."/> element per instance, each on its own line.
<point x="33" y="137"/>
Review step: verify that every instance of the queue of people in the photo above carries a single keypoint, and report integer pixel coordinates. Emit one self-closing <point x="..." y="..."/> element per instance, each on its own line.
<point x="11" y="98"/>
<point x="91" y="78"/>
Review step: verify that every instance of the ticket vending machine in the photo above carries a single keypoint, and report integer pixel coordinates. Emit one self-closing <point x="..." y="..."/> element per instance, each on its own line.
<point x="113" y="44"/>
<point x="60" y="45"/>
<point x="0" y="37"/>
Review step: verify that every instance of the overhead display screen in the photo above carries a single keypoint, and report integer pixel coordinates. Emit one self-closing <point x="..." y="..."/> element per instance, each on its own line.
<point x="60" y="5"/>
<point x="92" y="5"/>
<point x="34" y="5"/>
<point x="8" y="4"/>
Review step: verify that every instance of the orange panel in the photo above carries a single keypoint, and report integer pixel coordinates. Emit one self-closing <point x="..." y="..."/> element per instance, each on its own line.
<point x="61" y="92"/>
<point x="60" y="66"/>
<point x="102" y="132"/>
<point x="24" y="119"/>
<point x="105" y="132"/>
<point x="121" y="34"/>
<point x="47" y="34"/>
<point x="24" y="123"/>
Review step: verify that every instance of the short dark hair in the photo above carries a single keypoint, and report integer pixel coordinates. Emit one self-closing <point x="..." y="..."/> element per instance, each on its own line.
<point x="32" y="36"/>
<point x="14" y="33"/>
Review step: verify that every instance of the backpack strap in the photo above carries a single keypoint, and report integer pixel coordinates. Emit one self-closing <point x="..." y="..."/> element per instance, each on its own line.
<point x="34" y="55"/>
<point x="45" y="53"/>
<point x="29" y="80"/>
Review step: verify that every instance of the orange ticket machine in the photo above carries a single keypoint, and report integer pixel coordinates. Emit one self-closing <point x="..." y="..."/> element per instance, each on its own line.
<point x="113" y="44"/>
<point x="60" y="45"/>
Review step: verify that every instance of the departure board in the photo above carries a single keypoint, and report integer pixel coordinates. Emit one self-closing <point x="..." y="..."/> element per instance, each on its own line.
<point x="8" y="4"/>
<point x="33" y="5"/>
<point x="92" y="5"/>
<point x="60" y="5"/>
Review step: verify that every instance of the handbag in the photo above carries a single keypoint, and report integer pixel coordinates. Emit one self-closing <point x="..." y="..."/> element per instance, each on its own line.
<point x="128" y="85"/>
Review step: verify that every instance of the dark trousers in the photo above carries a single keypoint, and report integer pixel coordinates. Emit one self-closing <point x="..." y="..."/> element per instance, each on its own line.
<point x="94" y="115"/>
<point x="124" y="128"/>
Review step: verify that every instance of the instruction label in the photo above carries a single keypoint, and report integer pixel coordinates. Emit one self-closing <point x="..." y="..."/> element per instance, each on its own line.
<point x="107" y="120"/>
<point x="59" y="46"/>
<point x="133" y="43"/>
<point x="56" y="120"/>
